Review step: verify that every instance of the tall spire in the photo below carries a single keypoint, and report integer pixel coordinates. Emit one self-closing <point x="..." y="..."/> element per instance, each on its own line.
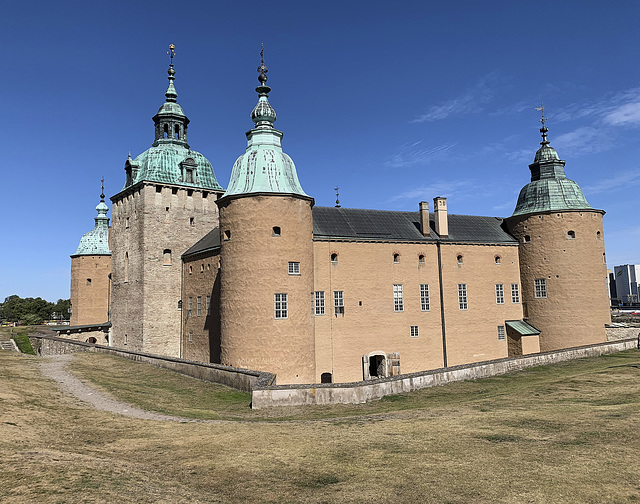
<point x="544" y="130"/>
<point x="171" y="94"/>
<point x="96" y="241"/>
<point x="263" y="114"/>
<point x="264" y="167"/>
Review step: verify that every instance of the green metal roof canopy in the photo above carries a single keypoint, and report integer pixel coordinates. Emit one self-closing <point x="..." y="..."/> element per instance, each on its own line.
<point x="264" y="167"/>
<point x="522" y="328"/>
<point x="96" y="241"/>
<point x="549" y="189"/>
<point x="170" y="160"/>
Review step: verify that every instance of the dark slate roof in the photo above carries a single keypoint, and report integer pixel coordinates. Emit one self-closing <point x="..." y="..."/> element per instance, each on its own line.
<point x="386" y="225"/>
<point x="210" y="241"/>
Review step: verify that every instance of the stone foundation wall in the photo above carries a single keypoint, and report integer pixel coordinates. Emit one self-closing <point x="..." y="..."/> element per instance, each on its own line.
<point x="360" y="392"/>
<point x="241" y="379"/>
<point x="621" y="333"/>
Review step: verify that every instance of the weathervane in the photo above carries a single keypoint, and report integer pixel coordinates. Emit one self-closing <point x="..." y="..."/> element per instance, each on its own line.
<point x="262" y="69"/>
<point x="102" y="191"/>
<point x="171" y="52"/>
<point x="337" y="196"/>
<point x="544" y="128"/>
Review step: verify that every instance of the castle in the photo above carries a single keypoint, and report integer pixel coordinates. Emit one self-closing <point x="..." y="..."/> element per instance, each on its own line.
<point x="259" y="277"/>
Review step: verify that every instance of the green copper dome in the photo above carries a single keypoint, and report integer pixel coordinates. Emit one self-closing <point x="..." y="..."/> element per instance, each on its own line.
<point x="170" y="160"/>
<point x="264" y="167"/>
<point x="549" y="189"/>
<point x="96" y="241"/>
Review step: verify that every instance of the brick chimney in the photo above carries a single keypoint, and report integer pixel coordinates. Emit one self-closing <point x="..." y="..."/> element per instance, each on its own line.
<point x="424" y="218"/>
<point x="440" y="214"/>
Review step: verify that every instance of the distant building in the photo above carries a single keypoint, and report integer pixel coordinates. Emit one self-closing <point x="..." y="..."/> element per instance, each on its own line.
<point x="627" y="277"/>
<point x="259" y="277"/>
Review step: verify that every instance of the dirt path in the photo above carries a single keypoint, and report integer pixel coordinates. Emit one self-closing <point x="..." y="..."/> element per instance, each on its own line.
<point x="53" y="367"/>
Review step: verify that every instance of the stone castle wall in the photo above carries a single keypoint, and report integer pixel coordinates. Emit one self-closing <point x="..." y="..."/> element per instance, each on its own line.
<point x="90" y="289"/>
<point x="255" y="261"/>
<point x="163" y="222"/>
<point x="201" y="328"/>
<point x="576" y="307"/>
<point x="366" y="273"/>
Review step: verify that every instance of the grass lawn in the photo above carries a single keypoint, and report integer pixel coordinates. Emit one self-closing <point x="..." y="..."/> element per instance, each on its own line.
<point x="566" y="433"/>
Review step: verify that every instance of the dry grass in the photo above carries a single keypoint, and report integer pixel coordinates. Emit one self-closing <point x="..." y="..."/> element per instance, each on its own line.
<point x="559" y="434"/>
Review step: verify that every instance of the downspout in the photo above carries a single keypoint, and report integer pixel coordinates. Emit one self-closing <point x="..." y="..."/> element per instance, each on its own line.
<point x="442" y="319"/>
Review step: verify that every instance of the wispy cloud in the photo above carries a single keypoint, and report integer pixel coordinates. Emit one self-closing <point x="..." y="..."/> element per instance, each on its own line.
<point x="621" y="180"/>
<point x="583" y="140"/>
<point x="471" y="101"/>
<point x="416" y="154"/>
<point x="427" y="192"/>
<point x="620" y="109"/>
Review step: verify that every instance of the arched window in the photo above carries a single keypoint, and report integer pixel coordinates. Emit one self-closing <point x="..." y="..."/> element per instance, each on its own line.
<point x="176" y="133"/>
<point x="334" y="257"/>
<point x="166" y="257"/>
<point x="599" y="235"/>
<point x="88" y="281"/>
<point x="421" y="259"/>
<point x="126" y="266"/>
<point x="498" y="259"/>
<point x="571" y="235"/>
<point x="396" y="258"/>
<point x="460" y="259"/>
<point x="166" y="131"/>
<point x="92" y="340"/>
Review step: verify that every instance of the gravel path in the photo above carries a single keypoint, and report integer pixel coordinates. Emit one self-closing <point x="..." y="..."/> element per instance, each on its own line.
<point x="54" y="367"/>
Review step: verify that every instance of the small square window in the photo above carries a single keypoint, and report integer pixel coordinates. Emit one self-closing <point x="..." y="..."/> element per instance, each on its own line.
<point x="414" y="331"/>
<point x="294" y="268"/>
<point x="227" y="235"/>
<point x="276" y="231"/>
<point x="174" y="191"/>
<point x="501" y="333"/>
<point x="192" y="221"/>
<point x="158" y="189"/>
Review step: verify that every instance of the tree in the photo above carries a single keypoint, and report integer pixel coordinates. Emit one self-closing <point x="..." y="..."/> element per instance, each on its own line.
<point x="33" y="310"/>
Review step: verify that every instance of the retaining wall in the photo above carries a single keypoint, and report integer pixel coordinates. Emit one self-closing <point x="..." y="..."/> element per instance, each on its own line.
<point x="622" y="331"/>
<point x="360" y="392"/>
<point x="241" y="379"/>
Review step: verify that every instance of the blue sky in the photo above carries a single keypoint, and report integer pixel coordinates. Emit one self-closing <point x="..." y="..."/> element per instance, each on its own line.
<point x="395" y="102"/>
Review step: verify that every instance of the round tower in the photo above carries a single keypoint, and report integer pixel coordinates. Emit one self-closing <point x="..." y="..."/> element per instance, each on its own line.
<point x="562" y="258"/>
<point x="266" y="254"/>
<point x="90" y="270"/>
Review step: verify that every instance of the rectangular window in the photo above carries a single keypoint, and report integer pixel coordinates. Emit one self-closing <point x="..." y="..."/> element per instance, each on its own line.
<point x="338" y="303"/>
<point x="208" y="305"/>
<point x="515" y="293"/>
<point x="190" y="312"/>
<point x="319" y="303"/>
<point x="541" y="288"/>
<point x="294" y="268"/>
<point x="199" y="305"/>
<point x="499" y="294"/>
<point x="190" y="337"/>
<point x="281" y="306"/>
<point x="414" y="331"/>
<point x="501" y="333"/>
<point x="398" y="304"/>
<point x="424" y="297"/>
<point x="462" y="296"/>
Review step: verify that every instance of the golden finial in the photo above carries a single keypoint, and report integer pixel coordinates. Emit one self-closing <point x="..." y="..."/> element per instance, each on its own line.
<point x="172" y="52"/>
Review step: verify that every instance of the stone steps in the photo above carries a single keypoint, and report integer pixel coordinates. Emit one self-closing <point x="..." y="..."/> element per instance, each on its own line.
<point x="8" y="345"/>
